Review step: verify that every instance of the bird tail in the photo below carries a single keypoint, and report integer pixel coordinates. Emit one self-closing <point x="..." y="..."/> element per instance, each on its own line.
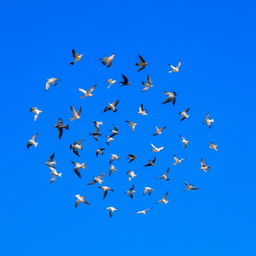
<point x="60" y="174"/>
<point x="67" y="127"/>
<point x="72" y="63"/>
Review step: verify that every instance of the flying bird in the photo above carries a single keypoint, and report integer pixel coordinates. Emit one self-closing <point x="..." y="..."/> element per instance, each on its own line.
<point x="131" y="175"/>
<point x="108" y="60"/>
<point x="112" y="169"/>
<point x="113" y="157"/>
<point x="213" y="146"/>
<point x="76" y="146"/>
<point x="95" y="134"/>
<point x="114" y="131"/>
<point x="100" y="151"/>
<point x="105" y="190"/>
<point x="159" y="130"/>
<point x="109" y="139"/>
<point x="164" y="176"/>
<point x="80" y="199"/>
<point x="32" y="141"/>
<point x="204" y="167"/>
<point x="77" y="168"/>
<point x="36" y="112"/>
<point x="76" y="114"/>
<point x="125" y="81"/>
<point x="184" y="114"/>
<point x="208" y="121"/>
<point x="97" y="179"/>
<point x="97" y="124"/>
<point x="163" y="199"/>
<point x="142" y="64"/>
<point x="50" y="81"/>
<point x="87" y="93"/>
<point x="131" y="191"/>
<point x="151" y="162"/>
<point x="111" y="106"/>
<point x="177" y="160"/>
<point x="147" y="84"/>
<point x="60" y="126"/>
<point x="132" y="125"/>
<point x="54" y="174"/>
<point x="50" y="162"/>
<point x="76" y="57"/>
<point x="175" y="68"/>
<point x="190" y="186"/>
<point x="144" y="211"/>
<point x="155" y="149"/>
<point x="131" y="157"/>
<point x="171" y="97"/>
<point x="147" y="190"/>
<point x="111" y="210"/>
<point x="142" y="111"/>
<point x="184" y="141"/>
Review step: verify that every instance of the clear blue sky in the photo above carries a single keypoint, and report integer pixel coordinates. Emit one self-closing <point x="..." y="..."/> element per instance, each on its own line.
<point x="216" y="43"/>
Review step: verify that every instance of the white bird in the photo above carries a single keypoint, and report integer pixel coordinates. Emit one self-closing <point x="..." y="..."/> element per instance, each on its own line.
<point x="110" y="82"/>
<point x="184" y="141"/>
<point x="159" y="130"/>
<point x="131" y="191"/>
<point x="171" y="97"/>
<point x="213" y="146"/>
<point x="113" y="157"/>
<point x="87" y="93"/>
<point x="131" y="175"/>
<point x="50" y="162"/>
<point x="54" y="174"/>
<point x="32" y="141"/>
<point x="111" y="106"/>
<point x="208" y="121"/>
<point x="142" y="111"/>
<point x="108" y="60"/>
<point x="36" y="112"/>
<point x="177" y="160"/>
<point x="109" y="139"/>
<point x="76" y="57"/>
<point x="147" y="190"/>
<point x="105" y="190"/>
<point x="80" y="199"/>
<point x="164" y="176"/>
<point x="76" y="114"/>
<point x="111" y="210"/>
<point x="204" y="167"/>
<point x="132" y="125"/>
<point x="97" y="179"/>
<point x="147" y="84"/>
<point x="100" y="151"/>
<point x="112" y="169"/>
<point x="184" y="114"/>
<point x="175" y="68"/>
<point x="50" y="81"/>
<point x="189" y="186"/>
<point x="143" y="211"/>
<point x="77" y="168"/>
<point x="76" y="146"/>
<point x="155" y="149"/>
<point x="163" y="199"/>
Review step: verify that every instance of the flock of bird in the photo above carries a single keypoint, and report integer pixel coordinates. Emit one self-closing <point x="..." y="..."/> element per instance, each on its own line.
<point x="113" y="106"/>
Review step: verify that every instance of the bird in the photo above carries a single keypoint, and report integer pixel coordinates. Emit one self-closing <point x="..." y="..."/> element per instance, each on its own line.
<point x="171" y="97"/>
<point x="204" y="167"/>
<point x="125" y="81"/>
<point x="147" y="190"/>
<point x="111" y="210"/>
<point x="112" y="169"/>
<point x="208" y="121"/>
<point x="76" y="146"/>
<point x="190" y="186"/>
<point x="108" y="60"/>
<point x="131" y="157"/>
<point x="147" y="84"/>
<point x="76" y="57"/>
<point x="163" y="199"/>
<point x="213" y="146"/>
<point x="99" y="151"/>
<point x="184" y="141"/>
<point x="159" y="130"/>
<point x="95" y="134"/>
<point x="36" y="112"/>
<point x="177" y="160"/>
<point x="97" y="124"/>
<point x="151" y="162"/>
<point x="184" y="114"/>
<point x="76" y="114"/>
<point x="54" y="174"/>
<point x="155" y="149"/>
<point x="105" y="190"/>
<point x="143" y="211"/>
<point x="32" y="141"/>
<point x="109" y="139"/>
<point x="164" y="176"/>
<point x="131" y="175"/>
<point x="132" y="125"/>
<point x="50" y="81"/>
<point x="131" y="191"/>
<point x="80" y="199"/>
<point x="113" y="157"/>
<point x="110" y="82"/>
<point x="111" y="106"/>
<point x="142" y="111"/>
<point x="77" y="168"/>
<point x="142" y="64"/>
<point x="97" y="179"/>
<point x="114" y="131"/>
<point x="87" y="93"/>
<point x="60" y="126"/>
<point x="50" y="162"/>
<point x="175" y="68"/>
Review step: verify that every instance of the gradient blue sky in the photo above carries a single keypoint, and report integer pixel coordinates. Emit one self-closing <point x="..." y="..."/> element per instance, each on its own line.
<point x="216" y="43"/>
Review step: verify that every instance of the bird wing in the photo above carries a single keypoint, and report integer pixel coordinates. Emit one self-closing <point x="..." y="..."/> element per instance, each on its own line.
<point x="142" y="59"/>
<point x="77" y="171"/>
<point x="82" y="90"/>
<point x="74" y="53"/>
<point x="73" y="111"/>
<point x="51" y="157"/>
<point x="115" y="103"/>
<point x="79" y="111"/>
<point x="125" y="79"/>
<point x="149" y="80"/>
<point x="60" y="132"/>
<point x="92" y="88"/>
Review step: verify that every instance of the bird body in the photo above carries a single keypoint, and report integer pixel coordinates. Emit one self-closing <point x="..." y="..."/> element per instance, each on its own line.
<point x="36" y="112"/>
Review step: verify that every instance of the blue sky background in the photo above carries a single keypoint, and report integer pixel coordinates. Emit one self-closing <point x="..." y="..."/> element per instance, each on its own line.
<point x="216" y="43"/>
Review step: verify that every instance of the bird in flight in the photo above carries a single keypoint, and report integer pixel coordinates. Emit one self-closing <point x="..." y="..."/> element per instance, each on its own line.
<point x="125" y="81"/>
<point x="77" y="168"/>
<point x="147" y="190"/>
<point x="108" y="60"/>
<point x="142" y="111"/>
<point x="113" y="157"/>
<point x="143" y="211"/>
<point x="204" y="167"/>
<point x="159" y="130"/>
<point x="184" y="114"/>
<point x="164" y="176"/>
<point x="50" y="81"/>
<point x="163" y="199"/>
<point x="76" y="57"/>
<point x="100" y="151"/>
<point x="208" y="121"/>
<point x="36" y="112"/>
<point x="175" y="68"/>
<point x="190" y="186"/>
<point x="213" y="146"/>
<point x="50" y="162"/>
<point x="105" y="190"/>
<point x="97" y="179"/>
<point x="109" y="139"/>
<point x="131" y="191"/>
<point x="155" y="149"/>
<point x="171" y="97"/>
<point x="151" y="162"/>
<point x="111" y="106"/>
<point x="60" y="126"/>
<point x="80" y="199"/>
<point x="131" y="157"/>
<point x="111" y="210"/>
<point x="184" y="141"/>
<point x="112" y="169"/>
<point x="131" y="175"/>
<point x="87" y="93"/>
<point x="142" y="63"/>
<point x="110" y="82"/>
<point x="95" y="134"/>
<point x="132" y="125"/>
<point x="97" y="124"/>
<point x="147" y="84"/>
<point x="177" y="160"/>
<point x="32" y="141"/>
<point x="54" y="174"/>
<point x="76" y="146"/>
<point x="76" y="114"/>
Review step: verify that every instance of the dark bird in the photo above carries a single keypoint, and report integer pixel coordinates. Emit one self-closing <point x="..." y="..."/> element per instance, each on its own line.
<point x="131" y="157"/>
<point x="60" y="126"/>
<point x="142" y="64"/>
<point x="99" y="151"/>
<point x="125" y="81"/>
<point x="150" y="162"/>
<point x="171" y="97"/>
